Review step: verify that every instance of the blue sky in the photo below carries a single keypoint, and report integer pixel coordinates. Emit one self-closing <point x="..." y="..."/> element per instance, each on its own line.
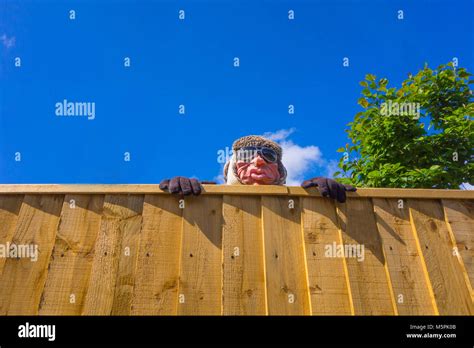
<point x="190" y="62"/>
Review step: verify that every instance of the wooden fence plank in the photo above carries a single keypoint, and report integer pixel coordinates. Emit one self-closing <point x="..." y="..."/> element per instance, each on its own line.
<point x="230" y="190"/>
<point x="9" y="210"/>
<point x="286" y="275"/>
<point x="71" y="260"/>
<point x="200" y="285"/>
<point x="445" y="272"/>
<point x="113" y="271"/>
<point x="370" y="288"/>
<point x="244" y="271"/>
<point x="156" y="290"/>
<point x="327" y="275"/>
<point x="391" y="193"/>
<point x="126" y="273"/>
<point x="459" y="216"/>
<point x="23" y="279"/>
<point x="412" y="293"/>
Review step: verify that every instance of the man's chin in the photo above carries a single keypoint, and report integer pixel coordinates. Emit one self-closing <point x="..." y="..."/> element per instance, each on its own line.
<point x="258" y="182"/>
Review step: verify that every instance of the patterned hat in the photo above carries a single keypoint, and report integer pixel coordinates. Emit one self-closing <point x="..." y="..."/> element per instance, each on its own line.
<point x="256" y="140"/>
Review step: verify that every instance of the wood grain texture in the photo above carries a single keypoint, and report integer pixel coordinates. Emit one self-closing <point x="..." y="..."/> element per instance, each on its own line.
<point x="200" y="285"/>
<point x="459" y="216"/>
<point x="445" y="272"/>
<point x="412" y="292"/>
<point x="23" y="279"/>
<point x="156" y="290"/>
<point x="71" y="260"/>
<point x="286" y="275"/>
<point x="9" y="210"/>
<point x="113" y="272"/>
<point x="243" y="269"/>
<point x="370" y="287"/>
<point x="327" y="275"/>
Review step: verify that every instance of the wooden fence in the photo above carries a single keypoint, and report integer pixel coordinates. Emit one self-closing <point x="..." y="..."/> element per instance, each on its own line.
<point x="235" y="250"/>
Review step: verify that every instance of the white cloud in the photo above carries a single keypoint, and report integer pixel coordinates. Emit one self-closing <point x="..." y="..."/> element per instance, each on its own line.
<point x="7" y="41"/>
<point x="219" y="178"/>
<point x="280" y="135"/>
<point x="331" y="168"/>
<point x="298" y="160"/>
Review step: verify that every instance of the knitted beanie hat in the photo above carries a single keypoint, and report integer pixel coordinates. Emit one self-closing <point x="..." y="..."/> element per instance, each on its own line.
<point x="231" y="176"/>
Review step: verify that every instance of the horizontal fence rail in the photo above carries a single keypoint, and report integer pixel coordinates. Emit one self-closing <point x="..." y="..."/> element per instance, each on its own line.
<point x="235" y="250"/>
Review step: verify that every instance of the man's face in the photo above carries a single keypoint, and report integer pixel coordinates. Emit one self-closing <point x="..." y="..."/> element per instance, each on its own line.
<point x="258" y="172"/>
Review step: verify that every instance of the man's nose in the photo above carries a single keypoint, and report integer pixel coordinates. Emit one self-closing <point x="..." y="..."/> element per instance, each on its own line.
<point x="258" y="161"/>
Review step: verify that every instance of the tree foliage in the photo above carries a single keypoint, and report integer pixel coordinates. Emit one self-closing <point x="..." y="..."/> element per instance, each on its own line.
<point x="397" y="148"/>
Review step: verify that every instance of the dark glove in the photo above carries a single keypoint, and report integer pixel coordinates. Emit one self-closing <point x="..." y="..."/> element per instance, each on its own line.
<point x="329" y="187"/>
<point x="182" y="186"/>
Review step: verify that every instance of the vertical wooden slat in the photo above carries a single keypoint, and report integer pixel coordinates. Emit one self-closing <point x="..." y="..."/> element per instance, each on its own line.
<point x="71" y="260"/>
<point x="327" y="279"/>
<point x="287" y="287"/>
<point x="112" y="275"/>
<point x="156" y="290"/>
<point x="459" y="216"/>
<point x="22" y="281"/>
<point x="200" y="285"/>
<point x="412" y="292"/>
<point x="444" y="270"/>
<point x="9" y="210"/>
<point x="370" y="287"/>
<point x="244" y="273"/>
<point x="126" y="274"/>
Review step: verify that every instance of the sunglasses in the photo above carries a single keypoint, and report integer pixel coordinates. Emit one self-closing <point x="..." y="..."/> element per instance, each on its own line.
<point x="248" y="153"/>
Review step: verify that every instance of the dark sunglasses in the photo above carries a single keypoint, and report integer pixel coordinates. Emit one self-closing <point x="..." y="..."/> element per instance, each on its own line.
<point x="248" y="153"/>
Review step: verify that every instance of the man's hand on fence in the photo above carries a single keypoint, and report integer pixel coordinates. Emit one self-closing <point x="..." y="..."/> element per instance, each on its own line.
<point x="329" y="187"/>
<point x="181" y="185"/>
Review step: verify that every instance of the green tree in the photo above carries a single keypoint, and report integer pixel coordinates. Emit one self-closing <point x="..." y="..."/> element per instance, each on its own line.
<point x="394" y="145"/>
